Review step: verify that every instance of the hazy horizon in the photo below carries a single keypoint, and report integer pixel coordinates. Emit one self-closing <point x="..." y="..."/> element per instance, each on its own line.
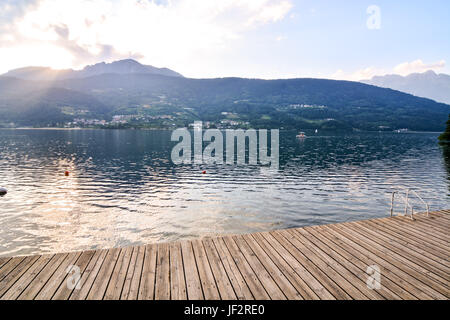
<point x="214" y="77"/>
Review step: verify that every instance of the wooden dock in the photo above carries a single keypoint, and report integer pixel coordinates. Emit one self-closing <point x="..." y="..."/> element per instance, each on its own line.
<point x="318" y="262"/>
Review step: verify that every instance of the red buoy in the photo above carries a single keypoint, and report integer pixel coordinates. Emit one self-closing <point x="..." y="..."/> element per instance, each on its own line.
<point x="204" y="171"/>
<point x="66" y="173"/>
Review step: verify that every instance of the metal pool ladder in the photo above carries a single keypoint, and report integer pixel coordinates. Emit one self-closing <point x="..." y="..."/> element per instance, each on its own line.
<point x="406" y="199"/>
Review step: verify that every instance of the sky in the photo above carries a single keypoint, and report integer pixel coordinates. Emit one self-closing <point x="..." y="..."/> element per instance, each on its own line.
<point x="349" y="40"/>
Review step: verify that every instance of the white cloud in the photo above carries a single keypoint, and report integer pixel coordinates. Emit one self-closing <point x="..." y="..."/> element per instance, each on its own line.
<point x="417" y="66"/>
<point x="365" y="73"/>
<point x="265" y="12"/>
<point x="403" y="69"/>
<point x="171" y="33"/>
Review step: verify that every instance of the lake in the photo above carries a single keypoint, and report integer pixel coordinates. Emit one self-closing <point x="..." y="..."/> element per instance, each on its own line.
<point x="124" y="190"/>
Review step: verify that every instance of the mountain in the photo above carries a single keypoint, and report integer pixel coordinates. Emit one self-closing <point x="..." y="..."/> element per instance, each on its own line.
<point x="428" y="84"/>
<point x="40" y="74"/>
<point x="33" y="103"/>
<point x="126" y="66"/>
<point x="155" y="100"/>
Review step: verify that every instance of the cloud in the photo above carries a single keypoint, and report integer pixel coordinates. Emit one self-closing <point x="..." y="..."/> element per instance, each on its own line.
<point x="403" y="69"/>
<point x="162" y="33"/>
<point x="82" y="55"/>
<point x="269" y="12"/>
<point x="12" y="9"/>
<point x="357" y="75"/>
<point x="417" y="66"/>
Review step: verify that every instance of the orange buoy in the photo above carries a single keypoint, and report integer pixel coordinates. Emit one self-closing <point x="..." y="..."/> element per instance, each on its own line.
<point x="66" y="173"/>
<point x="204" y="171"/>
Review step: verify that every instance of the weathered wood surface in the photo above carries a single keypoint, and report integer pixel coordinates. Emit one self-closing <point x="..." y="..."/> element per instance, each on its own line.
<point x="318" y="262"/>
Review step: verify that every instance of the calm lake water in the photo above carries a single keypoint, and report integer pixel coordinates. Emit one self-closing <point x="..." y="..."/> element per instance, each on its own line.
<point x="123" y="188"/>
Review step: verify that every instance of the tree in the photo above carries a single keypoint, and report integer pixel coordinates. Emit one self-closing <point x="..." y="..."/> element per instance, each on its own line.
<point x="445" y="136"/>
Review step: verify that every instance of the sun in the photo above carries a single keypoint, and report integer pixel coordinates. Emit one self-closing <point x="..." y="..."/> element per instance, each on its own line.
<point x="36" y="55"/>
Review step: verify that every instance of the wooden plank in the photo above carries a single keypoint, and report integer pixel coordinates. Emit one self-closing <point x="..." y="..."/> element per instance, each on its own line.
<point x="436" y="221"/>
<point x="431" y="222"/>
<point x="101" y="282"/>
<point x="114" y="289"/>
<point x="162" y="285"/>
<point x="442" y="213"/>
<point x="293" y="259"/>
<point x="10" y="266"/>
<point x="343" y="268"/>
<point x="435" y="233"/>
<point x="364" y="259"/>
<point x="409" y="275"/>
<point x="419" y="233"/>
<point x="286" y="287"/>
<point x="204" y="271"/>
<point x="22" y="283"/>
<point x="252" y="280"/>
<point x="442" y="216"/>
<point x="3" y="261"/>
<point x="318" y="262"/>
<point x="147" y="286"/>
<point x="89" y="275"/>
<point x="409" y="257"/>
<point x="413" y="237"/>
<point x="425" y="254"/>
<point x="411" y="241"/>
<point x="177" y="279"/>
<point x="345" y="285"/>
<point x="193" y="285"/>
<point x="57" y="279"/>
<point x="220" y="275"/>
<point x="62" y="291"/>
<point x="41" y="279"/>
<point x="369" y="259"/>
<point x="398" y="259"/>
<point x="299" y="284"/>
<point x="317" y="272"/>
<point x="240" y="287"/>
<point x="132" y="282"/>
<point x="20" y="267"/>
<point x="339" y="252"/>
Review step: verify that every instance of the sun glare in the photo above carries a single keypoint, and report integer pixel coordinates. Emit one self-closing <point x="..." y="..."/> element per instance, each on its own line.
<point x="42" y="55"/>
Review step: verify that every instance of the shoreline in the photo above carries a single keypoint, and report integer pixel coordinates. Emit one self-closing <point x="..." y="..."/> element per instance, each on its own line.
<point x="171" y="129"/>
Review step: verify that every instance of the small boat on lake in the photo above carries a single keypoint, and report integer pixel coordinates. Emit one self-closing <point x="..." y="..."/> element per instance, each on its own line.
<point x="301" y="135"/>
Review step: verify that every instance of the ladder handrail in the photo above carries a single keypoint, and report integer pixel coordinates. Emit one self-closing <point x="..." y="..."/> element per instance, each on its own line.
<point x="420" y="198"/>
<point x="406" y="199"/>
<point x="406" y="204"/>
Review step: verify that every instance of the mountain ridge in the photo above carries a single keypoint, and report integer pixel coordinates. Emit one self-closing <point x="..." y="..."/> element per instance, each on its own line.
<point x="427" y="84"/>
<point x="125" y="66"/>
<point x="161" y="101"/>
